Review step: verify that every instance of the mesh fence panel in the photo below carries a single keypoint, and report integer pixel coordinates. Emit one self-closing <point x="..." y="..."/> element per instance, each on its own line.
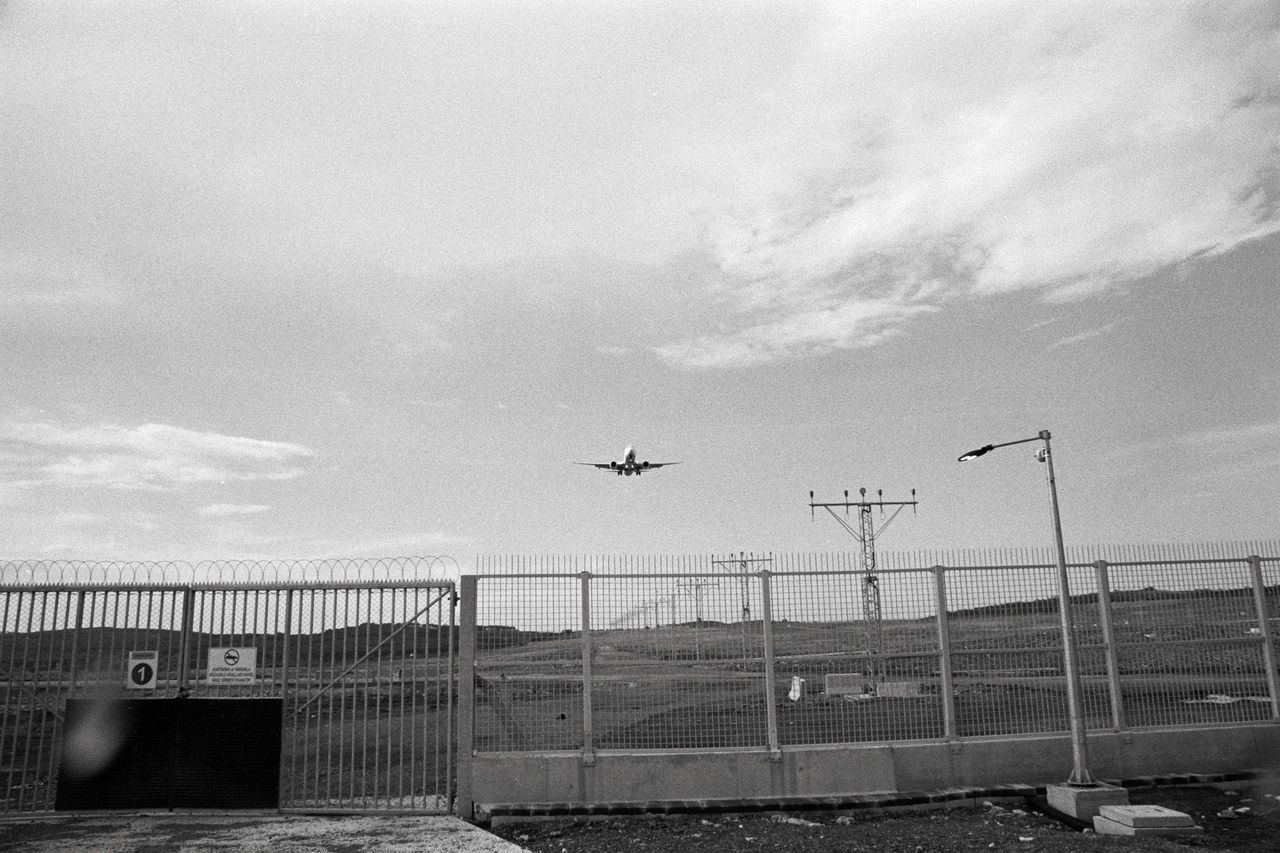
<point x="1188" y="643"/>
<point x="843" y="677"/>
<point x="528" y="668"/>
<point x="674" y="654"/>
<point x="1006" y="650"/>
<point x="675" y="664"/>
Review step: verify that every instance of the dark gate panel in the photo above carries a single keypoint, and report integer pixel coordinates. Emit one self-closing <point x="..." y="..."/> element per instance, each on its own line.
<point x="170" y="753"/>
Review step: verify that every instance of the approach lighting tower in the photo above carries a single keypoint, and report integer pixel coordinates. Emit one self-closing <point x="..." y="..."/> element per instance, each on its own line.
<point x="696" y="588"/>
<point x="866" y="534"/>
<point x="743" y="565"/>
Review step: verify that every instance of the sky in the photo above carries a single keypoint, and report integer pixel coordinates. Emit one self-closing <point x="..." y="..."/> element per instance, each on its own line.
<point x="330" y="279"/>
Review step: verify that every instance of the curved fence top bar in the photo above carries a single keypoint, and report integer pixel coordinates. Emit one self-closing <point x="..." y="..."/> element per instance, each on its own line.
<point x="46" y="573"/>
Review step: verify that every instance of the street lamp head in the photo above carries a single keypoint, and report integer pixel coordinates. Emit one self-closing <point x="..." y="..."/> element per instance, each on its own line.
<point x="974" y="454"/>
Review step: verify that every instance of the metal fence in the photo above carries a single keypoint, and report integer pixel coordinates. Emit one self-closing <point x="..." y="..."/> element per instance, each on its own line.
<point x="138" y="572"/>
<point x="768" y="651"/>
<point x="364" y="670"/>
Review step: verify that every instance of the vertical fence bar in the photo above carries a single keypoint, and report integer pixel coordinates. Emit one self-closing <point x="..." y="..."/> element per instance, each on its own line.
<point x="184" y="641"/>
<point x="462" y="803"/>
<point x="944" y="654"/>
<point x="450" y="720"/>
<point x="1109" y="641"/>
<point x="1264" y="626"/>
<point x="5" y="733"/>
<point x="75" y="645"/>
<point x="588" y="752"/>
<point x="284" y="681"/>
<point x="770" y="677"/>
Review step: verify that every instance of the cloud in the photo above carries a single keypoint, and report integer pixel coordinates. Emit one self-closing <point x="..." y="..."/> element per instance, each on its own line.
<point x="993" y="148"/>
<point x="417" y="545"/>
<point x="812" y="332"/>
<point x="1082" y="336"/>
<point x="221" y="510"/>
<point x="150" y="457"/>
<point x="32" y="282"/>
<point x="1233" y="437"/>
<point x="1235" y="450"/>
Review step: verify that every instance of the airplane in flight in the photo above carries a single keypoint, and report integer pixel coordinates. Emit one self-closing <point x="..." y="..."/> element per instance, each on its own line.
<point x="629" y="465"/>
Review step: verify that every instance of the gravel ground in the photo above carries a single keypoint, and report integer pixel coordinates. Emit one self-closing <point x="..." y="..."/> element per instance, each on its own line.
<point x="244" y="833"/>
<point x="1243" y="819"/>
<point x="1240" y="819"/>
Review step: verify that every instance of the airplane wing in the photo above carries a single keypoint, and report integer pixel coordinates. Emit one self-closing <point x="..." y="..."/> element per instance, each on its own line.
<point x="604" y="465"/>
<point x="653" y="465"/>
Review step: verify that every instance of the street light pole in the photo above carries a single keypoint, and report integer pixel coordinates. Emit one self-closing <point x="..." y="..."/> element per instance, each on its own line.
<point x="1080" y="775"/>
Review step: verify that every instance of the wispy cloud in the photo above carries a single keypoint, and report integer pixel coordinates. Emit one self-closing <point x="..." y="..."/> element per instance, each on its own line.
<point x="149" y="457"/>
<point x="222" y="510"/>
<point x="924" y="164"/>
<point x="46" y="282"/>
<point x="1082" y="336"/>
<point x="1232" y="437"/>
<point x="1239" y="447"/>
<point x="812" y="332"/>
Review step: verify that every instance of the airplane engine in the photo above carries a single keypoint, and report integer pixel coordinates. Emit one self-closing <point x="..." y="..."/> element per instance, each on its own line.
<point x="645" y="464"/>
<point x="613" y="464"/>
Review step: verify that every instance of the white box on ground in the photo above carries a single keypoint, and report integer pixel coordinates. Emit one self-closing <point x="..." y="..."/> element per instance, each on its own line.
<point x="844" y="683"/>
<point x="1142" y="816"/>
<point x="898" y="689"/>
<point x="232" y="665"/>
<point x="1106" y="826"/>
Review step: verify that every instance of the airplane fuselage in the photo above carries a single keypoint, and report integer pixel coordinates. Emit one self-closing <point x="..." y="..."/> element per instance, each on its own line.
<point x="629" y="465"/>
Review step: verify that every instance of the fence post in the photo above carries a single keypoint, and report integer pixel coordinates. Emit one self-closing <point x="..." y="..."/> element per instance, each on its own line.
<point x="466" y="719"/>
<point x="184" y="640"/>
<point x="770" y="676"/>
<point x="944" y="654"/>
<point x="588" y="749"/>
<point x="1109" y="642"/>
<point x="1264" y="626"/>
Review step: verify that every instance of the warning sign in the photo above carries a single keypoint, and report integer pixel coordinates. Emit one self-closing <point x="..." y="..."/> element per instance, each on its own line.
<point x="230" y="666"/>
<point x="141" y="674"/>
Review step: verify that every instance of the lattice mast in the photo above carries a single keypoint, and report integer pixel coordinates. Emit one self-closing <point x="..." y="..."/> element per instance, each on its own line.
<point x="866" y="534"/>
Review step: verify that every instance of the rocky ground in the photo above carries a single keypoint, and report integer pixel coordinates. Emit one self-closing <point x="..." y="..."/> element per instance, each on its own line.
<point x="1240" y="819"/>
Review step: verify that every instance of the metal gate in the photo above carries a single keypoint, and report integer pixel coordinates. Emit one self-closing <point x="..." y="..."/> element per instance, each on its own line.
<point x="363" y="673"/>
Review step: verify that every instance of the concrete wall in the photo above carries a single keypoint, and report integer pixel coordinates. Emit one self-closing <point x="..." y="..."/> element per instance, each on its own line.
<point x="838" y="770"/>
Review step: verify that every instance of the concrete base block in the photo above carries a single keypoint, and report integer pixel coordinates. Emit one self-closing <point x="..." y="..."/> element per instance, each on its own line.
<point x="1106" y="826"/>
<point x="1083" y="803"/>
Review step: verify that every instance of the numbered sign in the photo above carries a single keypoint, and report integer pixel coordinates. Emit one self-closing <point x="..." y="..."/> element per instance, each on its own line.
<point x="141" y="674"/>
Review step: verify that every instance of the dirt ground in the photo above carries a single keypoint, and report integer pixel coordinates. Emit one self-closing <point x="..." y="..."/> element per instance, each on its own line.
<point x="1240" y="819"/>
